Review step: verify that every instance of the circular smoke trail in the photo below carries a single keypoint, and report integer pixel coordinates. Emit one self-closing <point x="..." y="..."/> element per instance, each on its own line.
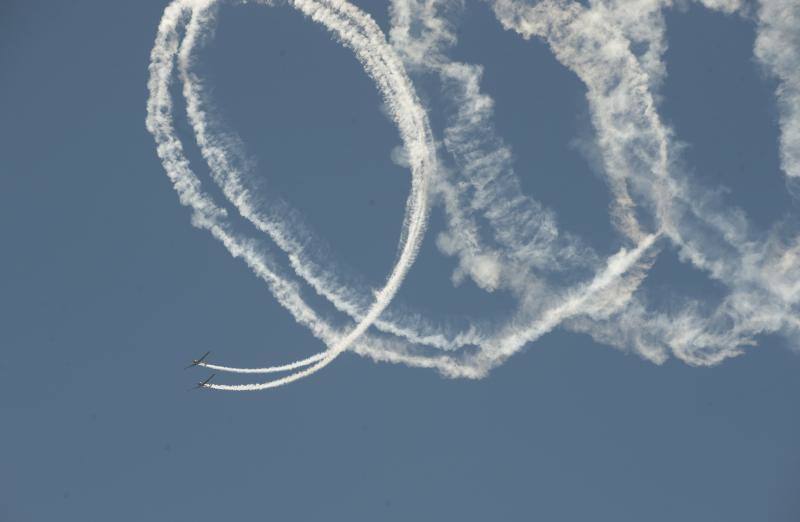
<point x="524" y="254"/>
<point x="404" y="107"/>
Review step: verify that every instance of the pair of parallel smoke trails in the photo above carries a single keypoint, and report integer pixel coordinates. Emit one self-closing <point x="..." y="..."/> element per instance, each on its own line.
<point x="503" y="239"/>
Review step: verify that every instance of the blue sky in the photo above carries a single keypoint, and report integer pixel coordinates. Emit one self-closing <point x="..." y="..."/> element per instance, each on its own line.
<point x="108" y="291"/>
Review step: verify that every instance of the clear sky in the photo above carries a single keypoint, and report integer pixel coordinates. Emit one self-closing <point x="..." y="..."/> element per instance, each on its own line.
<point x="107" y="291"/>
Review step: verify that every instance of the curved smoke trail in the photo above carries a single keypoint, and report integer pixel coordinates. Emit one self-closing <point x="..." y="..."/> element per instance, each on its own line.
<point x="407" y="113"/>
<point x="715" y="239"/>
<point x="223" y="154"/>
<point x="524" y="253"/>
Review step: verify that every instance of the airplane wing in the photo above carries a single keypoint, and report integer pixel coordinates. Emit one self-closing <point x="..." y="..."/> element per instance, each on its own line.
<point x="202" y="384"/>
<point x="197" y="362"/>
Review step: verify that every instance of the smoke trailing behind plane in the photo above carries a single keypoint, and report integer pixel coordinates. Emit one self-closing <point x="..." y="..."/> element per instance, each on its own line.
<point x="501" y="238"/>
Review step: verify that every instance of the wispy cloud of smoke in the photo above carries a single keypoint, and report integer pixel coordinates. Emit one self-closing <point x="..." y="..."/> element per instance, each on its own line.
<point x="502" y="239"/>
<point x="715" y="239"/>
<point x="778" y="48"/>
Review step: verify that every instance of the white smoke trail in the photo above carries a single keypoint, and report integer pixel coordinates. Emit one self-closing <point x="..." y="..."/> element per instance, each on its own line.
<point x="388" y="74"/>
<point x="208" y="215"/>
<point x="778" y="48"/>
<point x="529" y="248"/>
<point x="525" y="254"/>
<point x="271" y="369"/>
<point x="716" y="240"/>
<point x="634" y="141"/>
<point x="224" y="156"/>
<point x="217" y="152"/>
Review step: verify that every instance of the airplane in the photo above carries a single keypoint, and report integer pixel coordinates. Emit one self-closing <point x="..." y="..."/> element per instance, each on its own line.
<point x="196" y="362"/>
<point x="204" y="384"/>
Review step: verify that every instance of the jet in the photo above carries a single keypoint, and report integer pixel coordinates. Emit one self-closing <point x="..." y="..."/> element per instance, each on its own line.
<point x="195" y="362"/>
<point x="204" y="384"/>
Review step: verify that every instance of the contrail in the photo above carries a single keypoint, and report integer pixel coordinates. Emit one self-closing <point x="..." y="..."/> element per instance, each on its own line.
<point x="271" y="369"/>
<point x="511" y="341"/>
<point x="715" y="239"/>
<point x="778" y="49"/>
<point x="504" y="240"/>
<point x="526" y="247"/>
<point x="395" y="87"/>
<point x="634" y="142"/>
<point x="232" y="183"/>
<point x="378" y="61"/>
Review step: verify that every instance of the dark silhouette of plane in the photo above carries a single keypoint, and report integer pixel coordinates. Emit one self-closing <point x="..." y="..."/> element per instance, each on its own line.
<point x="196" y="362"/>
<point x="204" y="384"/>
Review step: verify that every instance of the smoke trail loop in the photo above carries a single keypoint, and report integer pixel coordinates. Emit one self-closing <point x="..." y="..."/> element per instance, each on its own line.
<point x="500" y="238"/>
